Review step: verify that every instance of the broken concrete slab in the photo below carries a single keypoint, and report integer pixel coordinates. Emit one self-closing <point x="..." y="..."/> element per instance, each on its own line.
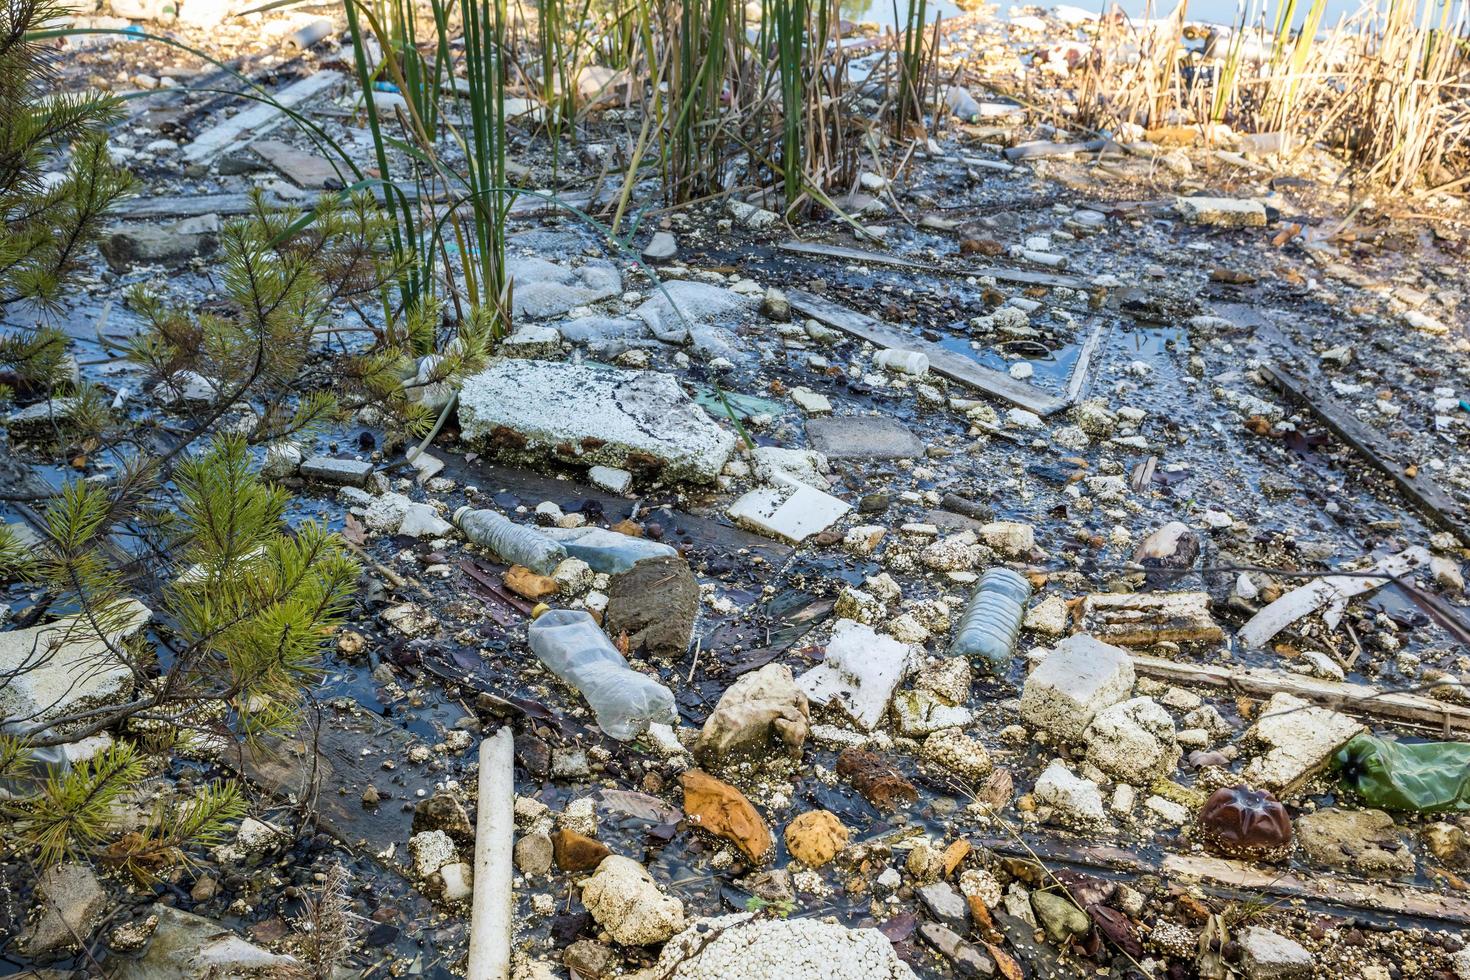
<point x="1222" y="212"/>
<point x="1141" y="619"/>
<point x="67" y="666"/>
<point x="1298" y="739"/>
<point x="546" y="289"/>
<point x="862" y="437"/>
<point x="301" y="168"/>
<point x="1366" y="842"/>
<point x="187" y="946"/>
<point x="337" y="472"/>
<point x="639" y="421"/>
<point x="71" y="900"/>
<point x="40" y="419"/>
<point x="170" y="243"/>
<point x="791" y="511"/>
<point x="861" y="671"/>
<point x="675" y="311"/>
<point x="1078" y="679"/>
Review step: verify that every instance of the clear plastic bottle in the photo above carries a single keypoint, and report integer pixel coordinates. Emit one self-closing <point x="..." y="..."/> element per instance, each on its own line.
<point x="987" y="631"/>
<point x="608" y="551"/>
<point x="511" y="542"/>
<point x="31" y="773"/>
<point x="575" y="648"/>
<point x="903" y="361"/>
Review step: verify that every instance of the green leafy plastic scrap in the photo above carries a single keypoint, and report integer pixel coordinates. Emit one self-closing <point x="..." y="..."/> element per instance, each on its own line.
<point x="1424" y="777"/>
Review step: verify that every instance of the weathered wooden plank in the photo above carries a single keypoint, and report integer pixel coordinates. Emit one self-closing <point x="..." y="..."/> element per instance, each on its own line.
<point x="260" y="118"/>
<point x="1081" y="369"/>
<point x="1358" y="699"/>
<point x="825" y="251"/>
<point x="1026" y="277"/>
<point x="1332" y="591"/>
<point x="1437" y="505"/>
<point x="957" y="367"/>
<point x="1380" y="901"/>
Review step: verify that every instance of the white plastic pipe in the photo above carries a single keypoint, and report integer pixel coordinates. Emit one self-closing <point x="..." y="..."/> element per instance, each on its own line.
<point x="494" y="824"/>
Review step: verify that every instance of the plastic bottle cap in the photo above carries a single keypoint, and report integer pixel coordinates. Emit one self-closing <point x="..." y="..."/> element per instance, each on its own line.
<point x="460" y="511"/>
<point x="538" y="609"/>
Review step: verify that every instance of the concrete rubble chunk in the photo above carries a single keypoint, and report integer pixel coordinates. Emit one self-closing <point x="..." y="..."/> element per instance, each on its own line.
<point x="546" y="289"/>
<point x="1078" y="679"/>
<point x="639" y="421"/>
<point x="171" y="243"/>
<point x="1267" y="955"/>
<point x="66" y="666"/>
<point x="1221" y="212"/>
<point x="187" y="946"/>
<point x="1297" y="738"/>
<point x="779" y="949"/>
<point x="624" y="899"/>
<point x="862" y="437"/>
<point x="1076" y="802"/>
<point x="861" y="671"/>
<point x="1133" y="741"/>
<point x="337" y="472"/>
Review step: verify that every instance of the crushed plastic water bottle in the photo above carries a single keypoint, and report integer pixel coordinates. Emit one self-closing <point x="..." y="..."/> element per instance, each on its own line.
<point x="575" y="648"/>
<point x="513" y="543"/>
<point x="987" y="631"/>
<point x="608" y="551"/>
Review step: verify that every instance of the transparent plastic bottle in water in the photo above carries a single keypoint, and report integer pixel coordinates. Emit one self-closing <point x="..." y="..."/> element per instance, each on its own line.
<point x="987" y="631"/>
<point x="607" y="551"/>
<point x="513" y="543"/>
<point x="575" y="648"/>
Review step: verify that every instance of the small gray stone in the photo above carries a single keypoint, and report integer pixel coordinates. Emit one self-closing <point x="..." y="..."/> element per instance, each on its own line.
<point x="968" y="960"/>
<point x="660" y="248"/>
<point x="1062" y="920"/>
<point x="533" y="854"/>
<point x="1269" y="956"/>
<point x="945" y="904"/>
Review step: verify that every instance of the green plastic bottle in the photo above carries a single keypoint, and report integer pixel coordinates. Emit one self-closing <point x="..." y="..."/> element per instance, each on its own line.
<point x="1422" y="777"/>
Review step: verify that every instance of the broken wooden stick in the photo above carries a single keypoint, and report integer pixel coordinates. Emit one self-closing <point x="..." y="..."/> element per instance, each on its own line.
<point x="1225" y="878"/>
<point x="1332" y="591"/>
<point x="941" y="359"/>
<point x="1424" y="493"/>
<point x="1360" y="699"/>
<point x="490" y="918"/>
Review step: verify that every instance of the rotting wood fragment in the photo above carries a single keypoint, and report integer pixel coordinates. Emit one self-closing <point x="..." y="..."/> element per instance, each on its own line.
<point x="1332" y="591"/>
<point x="260" y="118"/>
<point x="825" y="251"/>
<point x="1426" y="495"/>
<point x="1233" y="879"/>
<point x="1141" y="619"/>
<point x="957" y="367"/>
<point x="1358" y="699"/>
